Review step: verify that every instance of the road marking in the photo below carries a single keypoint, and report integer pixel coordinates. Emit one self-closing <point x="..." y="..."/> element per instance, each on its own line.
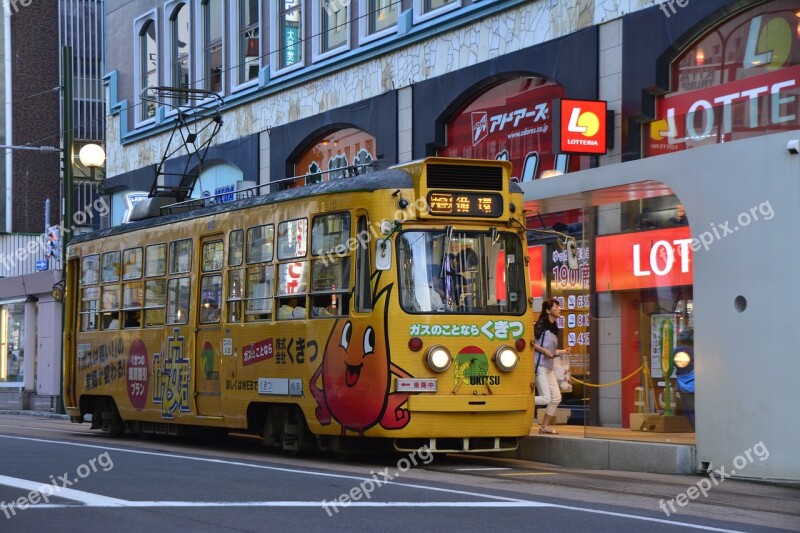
<point x="174" y="456"/>
<point x="506" y="502"/>
<point x="52" y="491"/>
<point x="530" y="474"/>
<point x="477" y="469"/>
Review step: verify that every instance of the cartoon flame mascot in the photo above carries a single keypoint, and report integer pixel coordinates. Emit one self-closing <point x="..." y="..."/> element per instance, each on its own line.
<point x="356" y="372"/>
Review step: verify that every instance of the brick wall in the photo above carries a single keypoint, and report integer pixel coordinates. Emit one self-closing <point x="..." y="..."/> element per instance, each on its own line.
<point x="35" y="68"/>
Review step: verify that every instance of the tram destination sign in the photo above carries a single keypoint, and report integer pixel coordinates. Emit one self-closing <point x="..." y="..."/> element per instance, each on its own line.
<point x="469" y="204"/>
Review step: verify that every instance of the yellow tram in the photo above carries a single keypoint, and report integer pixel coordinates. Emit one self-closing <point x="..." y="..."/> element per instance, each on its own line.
<point x="392" y="305"/>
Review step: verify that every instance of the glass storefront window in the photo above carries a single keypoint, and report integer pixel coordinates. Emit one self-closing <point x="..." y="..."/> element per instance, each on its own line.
<point x="12" y="338"/>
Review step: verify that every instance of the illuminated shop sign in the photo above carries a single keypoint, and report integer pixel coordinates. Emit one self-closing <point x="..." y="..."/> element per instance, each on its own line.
<point x="642" y="260"/>
<point x="468" y="204"/>
<point x="740" y="80"/>
<point x="582" y="127"/>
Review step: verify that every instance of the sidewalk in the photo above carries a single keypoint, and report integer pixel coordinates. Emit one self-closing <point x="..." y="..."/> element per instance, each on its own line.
<point x="610" y="449"/>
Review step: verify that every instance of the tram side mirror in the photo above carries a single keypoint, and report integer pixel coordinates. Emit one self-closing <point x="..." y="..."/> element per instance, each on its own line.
<point x="383" y="254"/>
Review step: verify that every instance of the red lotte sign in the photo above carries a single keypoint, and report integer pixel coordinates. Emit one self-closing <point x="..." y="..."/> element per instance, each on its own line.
<point x="659" y="258"/>
<point x="582" y="128"/>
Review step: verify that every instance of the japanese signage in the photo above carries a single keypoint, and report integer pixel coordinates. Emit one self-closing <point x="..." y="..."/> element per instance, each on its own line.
<point x="658" y="258"/>
<point x="492" y="329"/>
<point x="739" y="80"/>
<point x="582" y="127"/>
<point x="465" y="204"/>
<point x="511" y="121"/>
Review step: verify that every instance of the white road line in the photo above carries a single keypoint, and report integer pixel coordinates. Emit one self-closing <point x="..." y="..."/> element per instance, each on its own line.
<point x="174" y="456"/>
<point x="51" y="491"/>
<point x="506" y="502"/>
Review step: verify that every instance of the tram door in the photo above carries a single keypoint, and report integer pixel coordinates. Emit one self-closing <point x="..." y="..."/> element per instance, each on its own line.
<point x="209" y="328"/>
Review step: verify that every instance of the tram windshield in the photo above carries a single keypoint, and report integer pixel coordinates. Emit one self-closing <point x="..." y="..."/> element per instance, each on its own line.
<point x="446" y="271"/>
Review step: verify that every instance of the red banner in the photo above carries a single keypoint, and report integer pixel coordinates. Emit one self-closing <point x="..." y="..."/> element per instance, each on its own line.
<point x="642" y="260"/>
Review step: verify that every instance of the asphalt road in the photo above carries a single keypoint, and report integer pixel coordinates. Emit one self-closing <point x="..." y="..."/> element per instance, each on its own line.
<point x="61" y="477"/>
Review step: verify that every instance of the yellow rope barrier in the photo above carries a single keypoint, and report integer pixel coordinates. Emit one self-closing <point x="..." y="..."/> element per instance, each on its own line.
<point x="629" y="376"/>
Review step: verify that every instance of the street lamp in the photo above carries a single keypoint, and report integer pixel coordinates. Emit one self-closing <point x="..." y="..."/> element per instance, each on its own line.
<point x="92" y="156"/>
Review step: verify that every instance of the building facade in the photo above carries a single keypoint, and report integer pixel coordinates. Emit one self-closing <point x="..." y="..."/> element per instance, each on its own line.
<point x="703" y="97"/>
<point x="30" y="315"/>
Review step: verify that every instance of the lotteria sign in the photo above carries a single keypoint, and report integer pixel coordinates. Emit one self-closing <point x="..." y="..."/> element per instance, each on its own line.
<point x="741" y="79"/>
<point x="582" y="127"/>
<point x="642" y="260"/>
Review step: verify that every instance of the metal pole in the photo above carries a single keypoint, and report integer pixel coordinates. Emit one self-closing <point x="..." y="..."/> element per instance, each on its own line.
<point x="66" y="170"/>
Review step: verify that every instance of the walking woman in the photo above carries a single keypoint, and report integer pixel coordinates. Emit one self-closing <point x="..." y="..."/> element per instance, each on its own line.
<point x="546" y="349"/>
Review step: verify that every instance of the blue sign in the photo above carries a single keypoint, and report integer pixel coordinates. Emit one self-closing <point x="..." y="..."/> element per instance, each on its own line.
<point x="41" y="264"/>
<point x="227" y="193"/>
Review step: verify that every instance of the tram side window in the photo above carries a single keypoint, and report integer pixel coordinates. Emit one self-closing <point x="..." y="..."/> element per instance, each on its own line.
<point x="110" y="267"/>
<point x="234" y="298"/>
<point x="132" y="264"/>
<point x="89" y="308"/>
<point x="109" y="307"/>
<point x="235" y="287"/>
<point x="180" y="256"/>
<point x="178" y="301"/>
<point x="259" y="243"/>
<point x="292" y="235"/>
<point x="212" y="256"/>
<point x="292" y="289"/>
<point x="156" y="264"/>
<point x="155" y="300"/>
<point x="329" y="234"/>
<point x="211" y="295"/>
<point x="330" y="287"/>
<point x="363" y="295"/>
<point x="235" y="247"/>
<point x="90" y="270"/>
<point x="132" y="304"/>
<point x="258" y="301"/>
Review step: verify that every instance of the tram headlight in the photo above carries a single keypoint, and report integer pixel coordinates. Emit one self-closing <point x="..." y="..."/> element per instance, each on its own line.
<point x="682" y="359"/>
<point x="506" y="358"/>
<point x="439" y="358"/>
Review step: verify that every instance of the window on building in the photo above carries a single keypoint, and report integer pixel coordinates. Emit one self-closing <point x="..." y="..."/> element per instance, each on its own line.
<point x="249" y="40"/>
<point x="179" y="50"/>
<point x="425" y="9"/>
<point x="212" y="45"/>
<point x="148" y="66"/>
<point x="333" y="26"/>
<point x="382" y="15"/>
<point x="289" y="46"/>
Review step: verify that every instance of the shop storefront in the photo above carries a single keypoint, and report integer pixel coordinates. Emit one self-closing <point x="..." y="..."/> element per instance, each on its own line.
<point x="12" y="342"/>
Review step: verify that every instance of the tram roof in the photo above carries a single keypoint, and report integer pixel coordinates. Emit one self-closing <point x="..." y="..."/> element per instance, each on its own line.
<point x="379" y="180"/>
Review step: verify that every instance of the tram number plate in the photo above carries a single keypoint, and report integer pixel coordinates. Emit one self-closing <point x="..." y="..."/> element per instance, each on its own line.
<point x="295" y="387"/>
<point x="227" y="346"/>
